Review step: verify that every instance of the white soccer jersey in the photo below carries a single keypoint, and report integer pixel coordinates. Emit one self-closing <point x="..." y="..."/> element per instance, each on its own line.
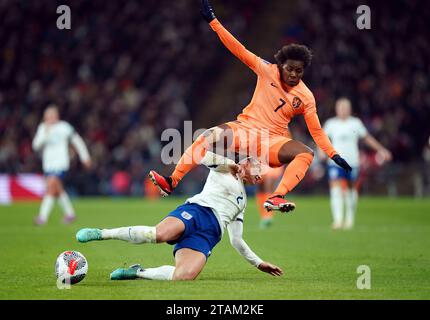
<point x="344" y="135"/>
<point x="54" y="143"/>
<point x="226" y="196"/>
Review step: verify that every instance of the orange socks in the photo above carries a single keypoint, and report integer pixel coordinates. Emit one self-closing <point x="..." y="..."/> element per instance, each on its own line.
<point x="190" y="159"/>
<point x="261" y="197"/>
<point x="294" y="173"/>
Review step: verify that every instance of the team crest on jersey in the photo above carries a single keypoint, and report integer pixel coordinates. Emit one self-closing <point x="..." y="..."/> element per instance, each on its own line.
<point x="297" y="102"/>
<point x="186" y="215"/>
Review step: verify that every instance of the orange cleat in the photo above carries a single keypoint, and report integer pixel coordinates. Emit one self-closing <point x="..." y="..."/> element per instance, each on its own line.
<point x="278" y="203"/>
<point x="164" y="184"/>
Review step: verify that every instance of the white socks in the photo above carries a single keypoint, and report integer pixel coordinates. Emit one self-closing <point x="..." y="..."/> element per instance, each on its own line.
<point x="160" y="273"/>
<point x="351" y="197"/>
<point x="48" y="203"/>
<point x="336" y="201"/>
<point x="136" y="234"/>
<point x="65" y="203"/>
<point x="46" y="207"/>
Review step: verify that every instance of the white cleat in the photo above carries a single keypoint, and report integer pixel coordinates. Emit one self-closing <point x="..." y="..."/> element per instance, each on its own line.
<point x="336" y="226"/>
<point x="348" y="225"/>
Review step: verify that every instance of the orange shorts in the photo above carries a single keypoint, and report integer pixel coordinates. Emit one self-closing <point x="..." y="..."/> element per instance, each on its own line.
<point x="257" y="143"/>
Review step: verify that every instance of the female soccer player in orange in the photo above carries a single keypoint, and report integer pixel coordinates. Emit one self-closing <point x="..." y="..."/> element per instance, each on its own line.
<point x="263" y="125"/>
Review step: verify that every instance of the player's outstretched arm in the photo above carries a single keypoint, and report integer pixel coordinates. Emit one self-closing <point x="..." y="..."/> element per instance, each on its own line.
<point x="227" y="38"/>
<point x="270" y="268"/>
<point x="235" y="232"/>
<point x="322" y="140"/>
<point x="375" y="145"/>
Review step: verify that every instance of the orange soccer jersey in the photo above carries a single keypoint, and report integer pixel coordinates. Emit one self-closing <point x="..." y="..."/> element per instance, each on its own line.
<point x="274" y="103"/>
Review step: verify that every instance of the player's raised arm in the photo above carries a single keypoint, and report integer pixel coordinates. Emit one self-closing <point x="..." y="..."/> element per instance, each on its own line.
<point x="235" y="232"/>
<point x="40" y="137"/>
<point x="322" y="140"/>
<point x="227" y="38"/>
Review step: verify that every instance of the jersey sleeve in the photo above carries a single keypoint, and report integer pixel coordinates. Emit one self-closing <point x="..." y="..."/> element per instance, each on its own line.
<point x="216" y="162"/>
<point x="235" y="233"/>
<point x="80" y="146"/>
<point x="361" y="129"/>
<point x="318" y="134"/>
<point x="310" y="107"/>
<point x="68" y="129"/>
<point x="235" y="47"/>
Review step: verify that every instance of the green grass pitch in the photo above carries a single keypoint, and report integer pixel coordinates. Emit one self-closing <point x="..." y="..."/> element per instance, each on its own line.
<point x="392" y="237"/>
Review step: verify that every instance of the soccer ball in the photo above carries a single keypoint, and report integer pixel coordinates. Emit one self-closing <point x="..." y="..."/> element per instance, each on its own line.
<point x="71" y="267"/>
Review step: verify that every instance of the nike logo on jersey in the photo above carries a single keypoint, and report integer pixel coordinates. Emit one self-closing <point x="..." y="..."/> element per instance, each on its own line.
<point x="273" y="85"/>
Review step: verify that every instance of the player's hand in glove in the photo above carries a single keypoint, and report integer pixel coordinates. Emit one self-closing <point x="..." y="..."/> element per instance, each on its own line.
<point x="341" y="162"/>
<point x="270" y="268"/>
<point x="207" y="11"/>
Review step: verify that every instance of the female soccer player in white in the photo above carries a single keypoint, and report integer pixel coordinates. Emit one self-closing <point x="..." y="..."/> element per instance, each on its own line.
<point x="345" y="132"/>
<point x="196" y="226"/>
<point x="52" y="138"/>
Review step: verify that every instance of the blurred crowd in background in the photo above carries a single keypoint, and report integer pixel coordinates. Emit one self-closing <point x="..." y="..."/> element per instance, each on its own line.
<point x="128" y="70"/>
<point x="384" y="70"/>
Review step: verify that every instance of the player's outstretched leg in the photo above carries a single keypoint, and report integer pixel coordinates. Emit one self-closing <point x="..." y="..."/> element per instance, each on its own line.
<point x="189" y="160"/>
<point x="137" y="272"/>
<point x="134" y="234"/>
<point x="299" y="158"/>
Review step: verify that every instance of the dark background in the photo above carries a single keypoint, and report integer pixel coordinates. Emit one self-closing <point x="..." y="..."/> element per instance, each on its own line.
<point x="127" y="70"/>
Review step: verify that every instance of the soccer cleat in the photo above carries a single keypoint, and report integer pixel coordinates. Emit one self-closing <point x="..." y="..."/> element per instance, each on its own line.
<point x="69" y="219"/>
<point x="348" y="225"/>
<point x="164" y="184"/>
<point x="126" y="274"/>
<point x="278" y="203"/>
<point x="336" y="226"/>
<point x="38" y="221"/>
<point x="88" y="234"/>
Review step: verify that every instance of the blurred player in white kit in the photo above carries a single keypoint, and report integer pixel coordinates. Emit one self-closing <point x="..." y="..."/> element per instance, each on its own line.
<point x="345" y="131"/>
<point x="52" y="139"/>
